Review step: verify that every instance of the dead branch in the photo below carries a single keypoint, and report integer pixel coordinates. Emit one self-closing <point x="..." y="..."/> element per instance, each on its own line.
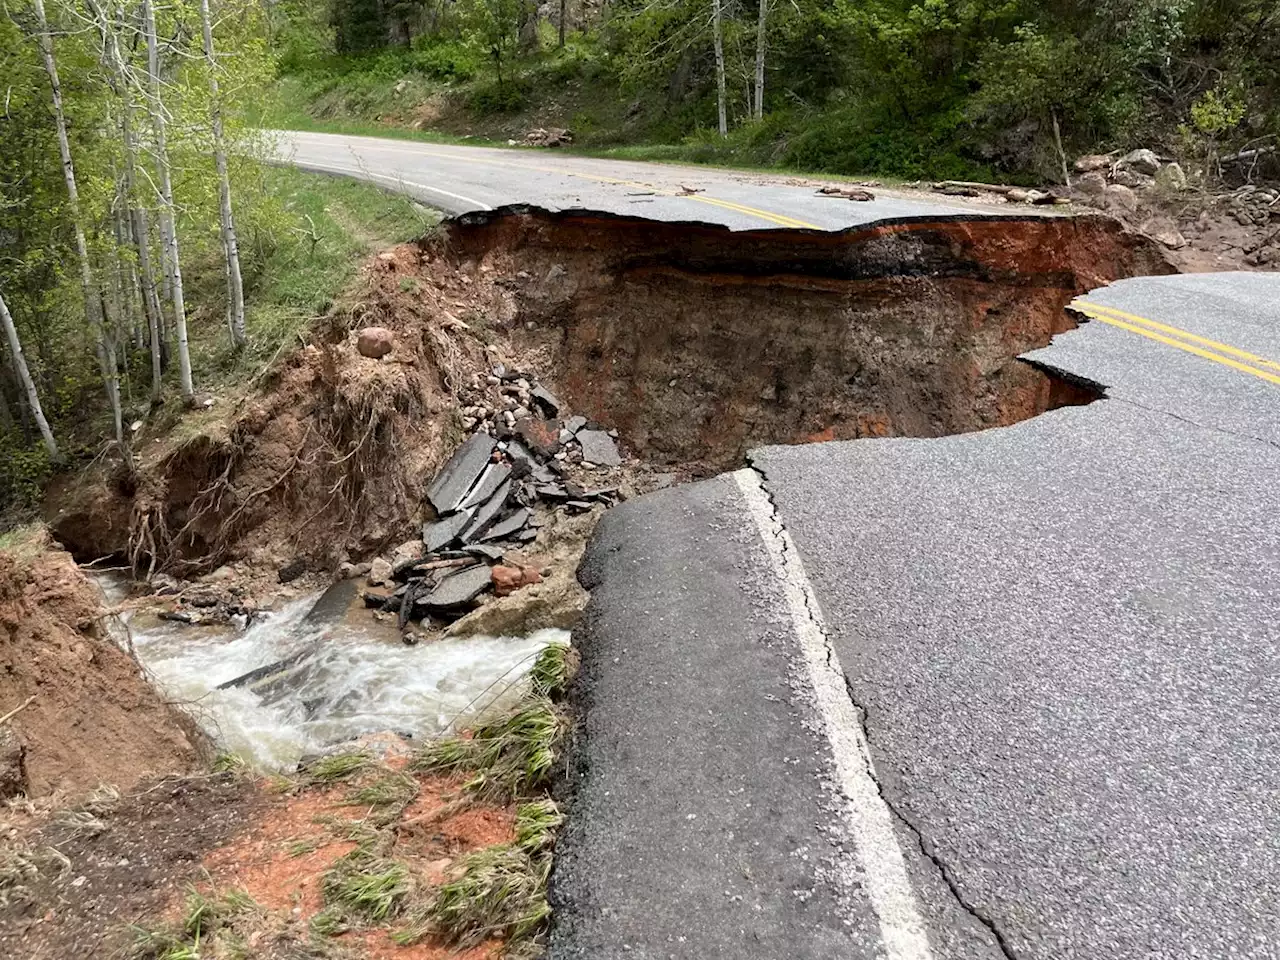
<point x="18" y="709"/>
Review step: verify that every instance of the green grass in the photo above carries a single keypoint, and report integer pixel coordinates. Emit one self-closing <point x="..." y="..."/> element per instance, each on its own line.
<point x="394" y="789"/>
<point x="500" y="891"/>
<point x="537" y="823"/>
<point x="338" y="767"/>
<point x="509" y="758"/>
<point x="366" y="884"/>
<point x="311" y="235"/>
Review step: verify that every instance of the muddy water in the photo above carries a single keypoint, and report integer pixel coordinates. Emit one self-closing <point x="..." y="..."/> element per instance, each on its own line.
<point x="363" y="680"/>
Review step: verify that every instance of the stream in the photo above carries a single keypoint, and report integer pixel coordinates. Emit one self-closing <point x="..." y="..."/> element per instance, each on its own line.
<point x="360" y="680"/>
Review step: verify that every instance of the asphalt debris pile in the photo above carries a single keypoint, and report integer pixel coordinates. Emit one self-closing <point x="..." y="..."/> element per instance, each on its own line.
<point x="491" y="497"/>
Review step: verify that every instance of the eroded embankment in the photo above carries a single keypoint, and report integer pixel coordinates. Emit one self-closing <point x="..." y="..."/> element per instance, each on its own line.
<point x="695" y="342"/>
<point x="698" y="342"/>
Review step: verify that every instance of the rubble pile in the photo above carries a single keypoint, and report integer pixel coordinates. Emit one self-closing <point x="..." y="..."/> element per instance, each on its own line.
<point x="518" y="463"/>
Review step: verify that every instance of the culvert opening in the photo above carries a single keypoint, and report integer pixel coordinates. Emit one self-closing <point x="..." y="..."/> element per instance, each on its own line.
<point x="698" y="343"/>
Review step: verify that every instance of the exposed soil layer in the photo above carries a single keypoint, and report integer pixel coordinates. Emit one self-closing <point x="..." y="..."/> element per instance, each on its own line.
<point x="695" y="342"/>
<point x="125" y="858"/>
<point x="92" y="716"/>
<point x="698" y="343"/>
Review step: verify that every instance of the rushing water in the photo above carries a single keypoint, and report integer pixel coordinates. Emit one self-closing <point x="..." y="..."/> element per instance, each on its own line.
<point x="361" y="680"/>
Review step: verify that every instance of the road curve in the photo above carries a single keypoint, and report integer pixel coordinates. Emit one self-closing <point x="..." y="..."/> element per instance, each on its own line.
<point x="458" y="179"/>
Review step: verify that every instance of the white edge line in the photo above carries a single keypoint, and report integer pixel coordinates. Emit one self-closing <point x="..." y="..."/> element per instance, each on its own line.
<point x="870" y="822"/>
<point x="366" y="175"/>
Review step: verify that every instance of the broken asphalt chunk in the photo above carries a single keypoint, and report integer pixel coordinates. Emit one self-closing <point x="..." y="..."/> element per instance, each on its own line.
<point x="454" y="482"/>
<point x="487" y="513"/>
<point x="485" y="551"/>
<point x="439" y="534"/>
<point x="492" y="478"/>
<point x="510" y="526"/>
<point x="545" y="400"/>
<point x="598" y="447"/>
<point x="458" y="590"/>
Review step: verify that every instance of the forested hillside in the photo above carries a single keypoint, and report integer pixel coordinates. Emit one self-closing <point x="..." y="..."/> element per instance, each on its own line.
<point x="913" y="88"/>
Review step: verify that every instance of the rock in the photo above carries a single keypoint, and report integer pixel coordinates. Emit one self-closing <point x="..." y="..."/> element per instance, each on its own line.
<point x="410" y="639"/>
<point x="380" y="571"/>
<point x="574" y="424"/>
<point x="377" y="597"/>
<point x="221" y="575"/>
<point x="349" y="571"/>
<point x="1171" y="177"/>
<point x="13" y="769"/>
<point x="770" y="392"/>
<point x="164" y="585"/>
<point x="1133" y="179"/>
<point x="1018" y="195"/>
<point x="411" y="551"/>
<point x="519" y="413"/>
<point x="292" y="570"/>
<point x="546" y="400"/>
<point x="457" y="591"/>
<point x="1140" y="161"/>
<point x="598" y="447"/>
<point x="1121" y="196"/>
<point x="1092" y="162"/>
<point x="1170" y="238"/>
<point x="484" y="551"/>
<point x="454" y="482"/>
<point x="375" y="342"/>
<point x="1094" y="184"/>
<point x="507" y="580"/>
<point x="540" y="436"/>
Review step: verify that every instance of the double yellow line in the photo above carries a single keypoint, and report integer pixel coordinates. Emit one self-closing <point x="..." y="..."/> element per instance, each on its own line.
<point x="1222" y="353"/>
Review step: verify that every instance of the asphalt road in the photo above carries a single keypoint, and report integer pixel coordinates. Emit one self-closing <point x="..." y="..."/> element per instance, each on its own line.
<point x="458" y="179"/>
<point x="1025" y="683"/>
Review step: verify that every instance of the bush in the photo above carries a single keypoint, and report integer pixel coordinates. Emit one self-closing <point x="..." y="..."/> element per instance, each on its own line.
<point x="493" y="97"/>
<point x="439" y="59"/>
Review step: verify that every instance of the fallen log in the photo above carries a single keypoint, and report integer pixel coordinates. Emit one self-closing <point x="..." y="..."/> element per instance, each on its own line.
<point x="999" y="188"/>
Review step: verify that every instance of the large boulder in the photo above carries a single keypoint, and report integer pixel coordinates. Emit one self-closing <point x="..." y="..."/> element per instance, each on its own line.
<point x="1092" y="163"/>
<point x="1171" y="178"/>
<point x="1140" y="161"/>
<point x="375" y="342"/>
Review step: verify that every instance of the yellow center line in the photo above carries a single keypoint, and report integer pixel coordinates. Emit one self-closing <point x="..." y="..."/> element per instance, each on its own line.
<point x="1181" y="334"/>
<point x="1206" y="354"/>
<point x="779" y="219"/>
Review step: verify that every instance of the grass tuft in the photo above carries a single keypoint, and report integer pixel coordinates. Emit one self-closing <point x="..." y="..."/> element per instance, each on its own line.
<point x="509" y="758"/>
<point x="340" y="766"/>
<point x="536" y="825"/>
<point x="366" y="884"/>
<point x="552" y="671"/>
<point x="501" y="891"/>
<point x="395" y="789"/>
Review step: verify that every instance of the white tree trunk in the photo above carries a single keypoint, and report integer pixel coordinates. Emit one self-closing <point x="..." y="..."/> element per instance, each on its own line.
<point x="760" y="46"/>
<point x="717" y="31"/>
<point x="24" y="374"/>
<point x="104" y="349"/>
<point x="230" y="244"/>
<point x="168" y="220"/>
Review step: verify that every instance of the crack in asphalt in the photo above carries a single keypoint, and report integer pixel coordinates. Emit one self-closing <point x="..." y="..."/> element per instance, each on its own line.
<point x="864" y="715"/>
<point x="1195" y="423"/>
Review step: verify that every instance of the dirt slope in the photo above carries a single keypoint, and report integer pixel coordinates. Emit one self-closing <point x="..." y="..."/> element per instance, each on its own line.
<point x="94" y="718"/>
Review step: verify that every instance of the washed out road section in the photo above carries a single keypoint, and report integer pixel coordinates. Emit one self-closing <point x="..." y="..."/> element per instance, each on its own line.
<point x="461" y="179"/>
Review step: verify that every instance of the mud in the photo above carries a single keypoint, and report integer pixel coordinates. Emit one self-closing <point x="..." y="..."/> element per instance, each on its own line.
<point x="698" y="343"/>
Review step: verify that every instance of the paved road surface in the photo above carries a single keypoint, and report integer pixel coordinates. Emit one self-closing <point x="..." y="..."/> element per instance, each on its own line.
<point x="1012" y="694"/>
<point x="460" y="179"/>
<point x="1009" y="694"/>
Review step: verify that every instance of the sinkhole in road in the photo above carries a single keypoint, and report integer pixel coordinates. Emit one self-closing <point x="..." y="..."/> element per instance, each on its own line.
<point x="699" y="343"/>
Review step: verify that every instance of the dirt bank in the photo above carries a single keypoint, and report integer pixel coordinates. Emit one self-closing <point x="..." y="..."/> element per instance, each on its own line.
<point x="91" y="716"/>
<point x="693" y="341"/>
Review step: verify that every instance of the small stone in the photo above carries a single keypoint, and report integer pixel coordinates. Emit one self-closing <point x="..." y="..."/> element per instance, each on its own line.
<point x="13" y="769"/>
<point x="521" y="412"/>
<point x="1094" y="184"/>
<point x="492" y="381"/>
<point x="1121" y="196"/>
<point x="1092" y="163"/>
<point x="507" y="580"/>
<point x="508" y="418"/>
<point x="349" y="571"/>
<point x="1171" y="177"/>
<point x="770" y="392"/>
<point x="292" y="570"/>
<point x="1133" y="179"/>
<point x="574" y="424"/>
<point x="375" y="342"/>
<point x="1170" y="238"/>
<point x="410" y="551"/>
<point x="379" y="571"/>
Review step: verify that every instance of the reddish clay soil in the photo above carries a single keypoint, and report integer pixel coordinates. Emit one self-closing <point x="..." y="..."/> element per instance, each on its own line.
<point x="94" y="718"/>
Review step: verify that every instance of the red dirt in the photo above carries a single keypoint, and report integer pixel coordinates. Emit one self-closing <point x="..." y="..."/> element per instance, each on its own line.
<point x="94" y="718"/>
